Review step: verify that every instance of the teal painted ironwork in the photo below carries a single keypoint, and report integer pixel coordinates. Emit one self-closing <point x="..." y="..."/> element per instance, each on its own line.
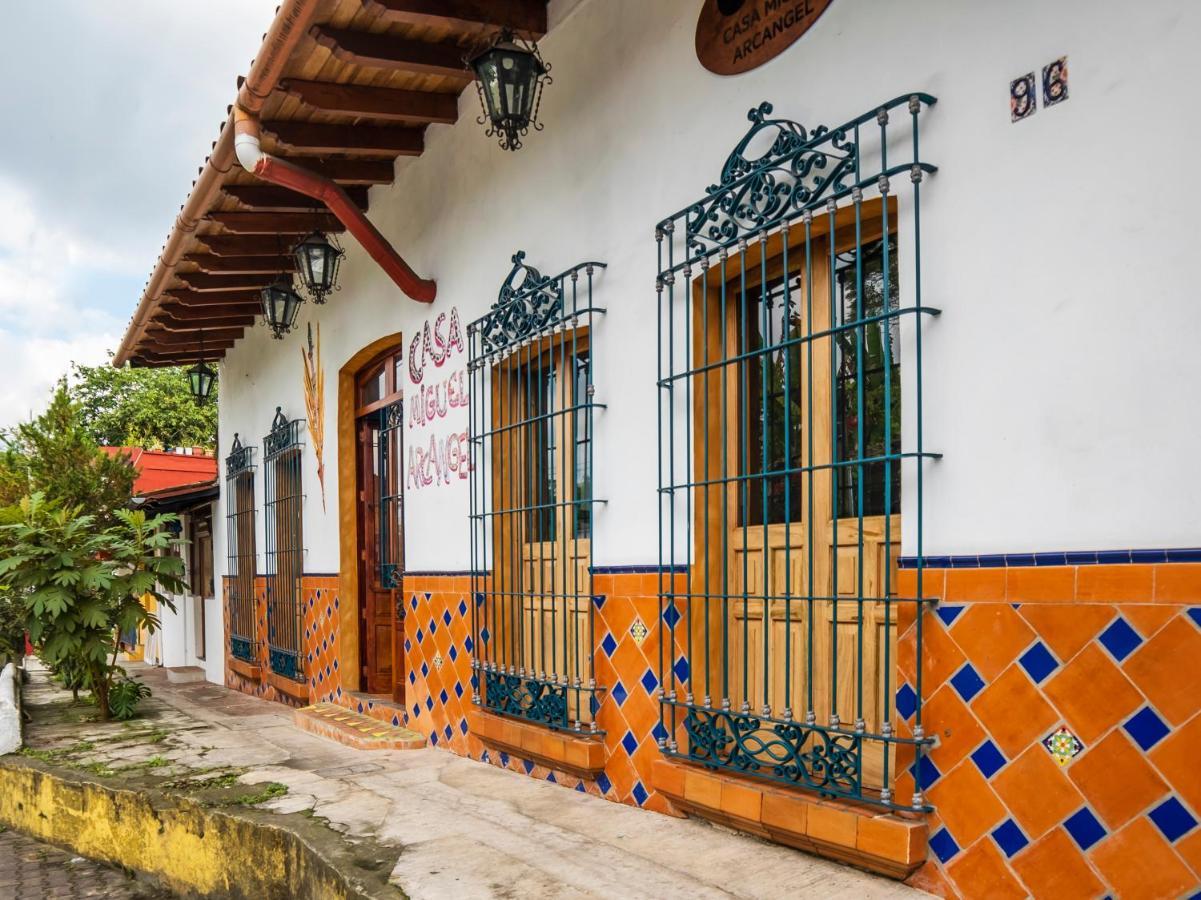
<point x="283" y="503"/>
<point x="241" y="561"/>
<point x="789" y="305"/>
<point x="390" y="500"/>
<point x="531" y="409"/>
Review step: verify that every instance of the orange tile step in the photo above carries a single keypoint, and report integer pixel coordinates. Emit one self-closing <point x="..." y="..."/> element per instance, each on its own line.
<point x="361" y="732"/>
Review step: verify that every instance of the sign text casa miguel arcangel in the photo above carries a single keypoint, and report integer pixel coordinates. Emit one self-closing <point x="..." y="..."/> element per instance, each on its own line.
<point x="734" y="36"/>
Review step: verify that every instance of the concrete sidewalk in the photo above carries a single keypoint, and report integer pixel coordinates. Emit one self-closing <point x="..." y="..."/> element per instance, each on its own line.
<point x="454" y="828"/>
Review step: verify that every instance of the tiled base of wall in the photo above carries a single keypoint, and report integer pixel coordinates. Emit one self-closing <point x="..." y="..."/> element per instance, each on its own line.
<point x="1067" y="708"/>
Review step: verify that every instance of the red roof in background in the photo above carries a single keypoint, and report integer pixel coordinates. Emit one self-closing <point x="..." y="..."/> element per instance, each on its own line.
<point x="160" y="470"/>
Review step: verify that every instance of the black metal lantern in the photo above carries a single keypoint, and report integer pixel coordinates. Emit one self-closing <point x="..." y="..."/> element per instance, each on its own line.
<point x="201" y="377"/>
<point x="509" y="76"/>
<point x="281" y="304"/>
<point x="317" y="260"/>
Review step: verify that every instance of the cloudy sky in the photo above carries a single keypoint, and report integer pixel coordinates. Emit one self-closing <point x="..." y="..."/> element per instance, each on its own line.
<point x="110" y="109"/>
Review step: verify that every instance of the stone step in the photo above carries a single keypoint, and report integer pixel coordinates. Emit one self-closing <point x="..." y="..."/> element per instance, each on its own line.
<point x="184" y="674"/>
<point x="338" y="723"/>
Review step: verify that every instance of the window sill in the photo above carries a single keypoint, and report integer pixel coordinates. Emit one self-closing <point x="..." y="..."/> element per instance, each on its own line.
<point x="583" y="757"/>
<point x="297" y="690"/>
<point x="881" y="842"/>
<point x="246" y="670"/>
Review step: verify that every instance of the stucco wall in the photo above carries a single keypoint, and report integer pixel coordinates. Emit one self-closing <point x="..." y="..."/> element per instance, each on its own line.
<point x="1059" y="248"/>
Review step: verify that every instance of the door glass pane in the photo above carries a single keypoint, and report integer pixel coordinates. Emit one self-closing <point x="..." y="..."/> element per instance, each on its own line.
<point x="869" y="381"/>
<point x="769" y="395"/>
<point x="541" y="490"/>
<point x="583" y="447"/>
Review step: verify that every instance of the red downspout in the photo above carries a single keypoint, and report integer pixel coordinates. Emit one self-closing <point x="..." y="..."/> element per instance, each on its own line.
<point x="288" y="175"/>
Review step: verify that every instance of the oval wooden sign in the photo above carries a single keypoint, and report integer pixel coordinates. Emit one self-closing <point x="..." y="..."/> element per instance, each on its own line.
<point x="735" y="36"/>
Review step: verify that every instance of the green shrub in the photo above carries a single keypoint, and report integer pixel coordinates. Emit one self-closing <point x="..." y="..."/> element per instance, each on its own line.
<point x="124" y="697"/>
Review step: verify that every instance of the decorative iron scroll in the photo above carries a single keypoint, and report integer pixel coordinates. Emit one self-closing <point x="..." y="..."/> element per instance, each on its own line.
<point x="286" y="663"/>
<point x="785" y="751"/>
<point x="238" y="460"/>
<point x="242" y="648"/>
<point x="284" y="434"/>
<point x="798" y="170"/>
<point x="533" y="699"/>
<point x="528" y="303"/>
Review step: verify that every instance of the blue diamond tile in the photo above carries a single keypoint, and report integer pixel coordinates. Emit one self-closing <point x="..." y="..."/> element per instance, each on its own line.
<point x="419" y="635"/>
<point x="458" y="689"/>
<point x="671" y="615"/>
<point x="1120" y="639"/>
<point x="462" y="607"/>
<point x="943" y="845"/>
<point x="429" y="703"/>
<point x="446" y="616"/>
<point x="408" y="645"/>
<point x="413" y="602"/>
<point x="682" y="669"/>
<point x="434" y="738"/>
<point x="425" y="670"/>
<point x="416" y="710"/>
<point x="1173" y="819"/>
<point x="927" y="773"/>
<point x="448" y="732"/>
<point x="1038" y="662"/>
<point x="504" y="759"/>
<point x="948" y="614"/>
<point x="598" y="600"/>
<point x="443" y="697"/>
<point x="659" y="733"/>
<point x="1194" y="613"/>
<point x="906" y="701"/>
<point x="479" y="598"/>
<point x="619" y="693"/>
<point x="396" y="721"/>
<point x="527" y="765"/>
<point x="550" y="776"/>
<point x="1146" y="728"/>
<point x="988" y="759"/>
<point x="649" y="681"/>
<point x="462" y="726"/>
<point x="453" y="653"/>
<point x="412" y="677"/>
<point x="433" y="627"/>
<point x="485" y="758"/>
<point x="640" y="793"/>
<point x="1084" y="828"/>
<point x="967" y="682"/>
<point x="1009" y="837"/>
<point x="603" y="782"/>
<point x="630" y="743"/>
<point x="580" y="787"/>
<point x="468" y="644"/>
<point x="608" y="645"/>
<point x="484" y="635"/>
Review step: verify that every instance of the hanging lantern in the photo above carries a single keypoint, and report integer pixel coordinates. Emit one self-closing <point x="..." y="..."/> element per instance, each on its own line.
<point x="509" y="75"/>
<point x="317" y="260"/>
<point x="281" y="304"/>
<point x="201" y="377"/>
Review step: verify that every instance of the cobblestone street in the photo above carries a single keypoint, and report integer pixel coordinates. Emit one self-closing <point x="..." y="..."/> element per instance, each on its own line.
<point x="31" y="870"/>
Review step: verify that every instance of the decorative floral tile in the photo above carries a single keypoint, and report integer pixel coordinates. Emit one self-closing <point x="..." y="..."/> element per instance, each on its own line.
<point x="1055" y="82"/>
<point x="638" y="631"/>
<point x="1063" y="745"/>
<point x="1022" y="97"/>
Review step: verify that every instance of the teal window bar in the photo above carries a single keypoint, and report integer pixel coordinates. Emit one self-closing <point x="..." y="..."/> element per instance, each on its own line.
<point x="283" y="510"/>
<point x="241" y="561"/>
<point x="389" y="484"/>
<point x="532" y="406"/>
<point x="787" y="353"/>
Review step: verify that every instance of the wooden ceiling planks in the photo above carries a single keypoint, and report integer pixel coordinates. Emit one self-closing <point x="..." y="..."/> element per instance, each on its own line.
<point x="357" y="93"/>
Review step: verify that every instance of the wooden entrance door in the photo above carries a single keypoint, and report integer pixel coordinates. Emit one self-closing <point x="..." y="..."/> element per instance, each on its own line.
<point x="379" y="443"/>
<point x="810" y="549"/>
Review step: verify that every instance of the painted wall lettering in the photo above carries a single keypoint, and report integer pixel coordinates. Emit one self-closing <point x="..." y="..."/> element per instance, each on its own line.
<point x="435" y="344"/>
<point x="436" y="404"/>
<point x="434" y="400"/>
<point x="442" y="460"/>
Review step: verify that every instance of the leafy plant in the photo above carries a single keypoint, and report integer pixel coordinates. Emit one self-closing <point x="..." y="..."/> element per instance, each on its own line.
<point x="124" y="697"/>
<point x="82" y="584"/>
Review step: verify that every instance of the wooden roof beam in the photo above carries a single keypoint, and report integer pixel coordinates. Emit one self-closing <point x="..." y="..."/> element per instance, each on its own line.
<point x="270" y="223"/>
<point x="417" y="107"/>
<point x="213" y="337"/>
<point x="204" y="282"/>
<point x="174" y="323"/>
<point x="155" y="356"/>
<point x="268" y="197"/>
<point x="371" y="50"/>
<point x="314" y="139"/>
<point x="247" y="244"/>
<point x="241" y="265"/>
<point x="525" y="16"/>
<point x="186" y="297"/>
<point x="349" y="172"/>
<point x="213" y="311"/>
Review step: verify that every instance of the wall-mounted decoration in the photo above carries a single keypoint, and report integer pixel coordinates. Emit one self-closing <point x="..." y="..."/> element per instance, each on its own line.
<point x="314" y="401"/>
<point x="1022" y="97"/>
<point x="1055" y="82"/>
<point x="1063" y="745"/>
<point x="735" y="36"/>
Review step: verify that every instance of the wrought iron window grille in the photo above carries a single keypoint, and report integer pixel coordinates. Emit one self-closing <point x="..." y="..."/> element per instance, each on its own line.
<point x="283" y="512"/>
<point x="241" y="560"/>
<point x="531" y="411"/>
<point x="782" y="328"/>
